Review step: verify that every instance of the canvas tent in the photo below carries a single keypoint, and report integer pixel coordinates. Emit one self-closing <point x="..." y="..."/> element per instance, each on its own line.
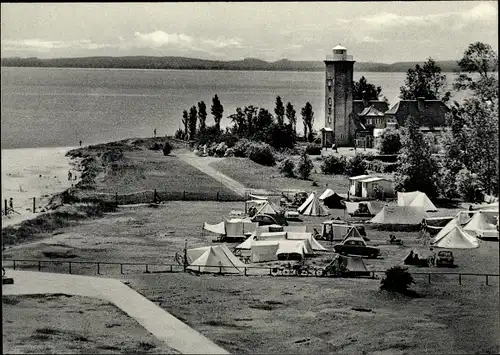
<point x="237" y="228"/>
<point x="334" y="201"/>
<point x="326" y="193"/>
<point x="298" y="229"/>
<point x="478" y="222"/>
<point x="306" y="236"/>
<point x="348" y="266"/>
<point x="456" y="238"/>
<point x="373" y="207"/>
<point x="264" y="250"/>
<point x="291" y="250"/>
<point x="435" y="224"/>
<point x="214" y="259"/>
<point x="312" y="207"/>
<point x="257" y="197"/>
<point x="219" y="228"/>
<point x="403" y="215"/>
<point x="416" y="199"/>
<point x="445" y="230"/>
<point x="267" y="208"/>
<point x="352" y="233"/>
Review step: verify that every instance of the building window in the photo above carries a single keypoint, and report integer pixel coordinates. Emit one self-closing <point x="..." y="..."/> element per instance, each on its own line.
<point x="329" y="120"/>
<point x="329" y="101"/>
<point x="330" y="111"/>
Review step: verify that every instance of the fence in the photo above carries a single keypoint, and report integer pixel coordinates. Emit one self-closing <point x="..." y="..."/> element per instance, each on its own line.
<point x="109" y="268"/>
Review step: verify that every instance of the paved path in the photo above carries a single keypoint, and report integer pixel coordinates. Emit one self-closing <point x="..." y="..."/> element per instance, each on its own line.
<point x="157" y="321"/>
<point x="203" y="164"/>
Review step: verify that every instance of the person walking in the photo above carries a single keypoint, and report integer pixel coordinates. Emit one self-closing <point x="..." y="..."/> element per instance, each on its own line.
<point x="69" y="175"/>
<point x="154" y="133"/>
<point x="11" y="205"/>
<point x="80" y="143"/>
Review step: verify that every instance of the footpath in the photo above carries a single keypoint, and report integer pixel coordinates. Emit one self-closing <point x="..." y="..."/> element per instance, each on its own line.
<point x="157" y="321"/>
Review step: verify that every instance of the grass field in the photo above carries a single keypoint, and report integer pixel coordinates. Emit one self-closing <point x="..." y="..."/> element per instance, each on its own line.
<point x="319" y="316"/>
<point x="74" y="325"/>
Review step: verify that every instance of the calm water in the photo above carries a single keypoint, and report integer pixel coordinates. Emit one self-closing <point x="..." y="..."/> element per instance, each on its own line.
<point x="54" y="107"/>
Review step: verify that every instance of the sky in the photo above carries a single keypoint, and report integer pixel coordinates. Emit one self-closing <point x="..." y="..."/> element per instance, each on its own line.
<point x="384" y="32"/>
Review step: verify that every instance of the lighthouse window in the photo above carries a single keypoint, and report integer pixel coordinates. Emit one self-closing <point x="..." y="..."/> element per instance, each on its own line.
<point x="330" y="111"/>
<point x="329" y="101"/>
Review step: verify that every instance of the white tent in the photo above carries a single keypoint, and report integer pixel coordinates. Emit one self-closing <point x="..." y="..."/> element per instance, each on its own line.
<point x="298" y="229"/>
<point x="405" y="215"/>
<point x="353" y="233"/>
<point x="271" y="236"/>
<point x="238" y="227"/>
<point x="289" y="249"/>
<point x="326" y="193"/>
<point x="488" y="234"/>
<point x="268" y="208"/>
<point x="264" y="250"/>
<point x="306" y="236"/>
<point x="478" y="222"/>
<point x="256" y="197"/>
<point x="260" y="236"/>
<point x="457" y="238"/>
<point x="219" y="228"/>
<point x="312" y="207"/>
<point x="416" y="199"/>
<point x="214" y="259"/>
<point x="446" y="229"/>
<point x="247" y="244"/>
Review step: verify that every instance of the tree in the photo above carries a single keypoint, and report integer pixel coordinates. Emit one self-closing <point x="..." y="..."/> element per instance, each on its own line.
<point x="390" y="142"/>
<point x="416" y="168"/>
<point x="362" y="90"/>
<point x="251" y="117"/>
<point x="397" y="279"/>
<point x="279" y="110"/>
<point x="304" y="166"/>
<point x="425" y="81"/>
<point x="308" y="119"/>
<point x="264" y="120"/>
<point x="202" y="115"/>
<point x="287" y="168"/>
<point x="217" y="111"/>
<point x="467" y="185"/>
<point x="355" y="166"/>
<point x="185" y="122"/>
<point x="193" y="117"/>
<point x="167" y="148"/>
<point x="480" y="61"/>
<point x="290" y="115"/>
<point x="239" y="120"/>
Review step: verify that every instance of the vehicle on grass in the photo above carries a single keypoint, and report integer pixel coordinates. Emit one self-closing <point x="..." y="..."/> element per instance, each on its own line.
<point x="444" y="258"/>
<point x="356" y="246"/>
<point x="266" y="219"/>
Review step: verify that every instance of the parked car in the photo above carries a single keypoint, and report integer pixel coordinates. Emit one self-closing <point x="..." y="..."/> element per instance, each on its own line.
<point x="264" y="219"/>
<point x="356" y="246"/>
<point x="445" y="258"/>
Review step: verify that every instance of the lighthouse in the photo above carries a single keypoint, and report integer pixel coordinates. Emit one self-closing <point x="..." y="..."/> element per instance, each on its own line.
<point x="339" y="128"/>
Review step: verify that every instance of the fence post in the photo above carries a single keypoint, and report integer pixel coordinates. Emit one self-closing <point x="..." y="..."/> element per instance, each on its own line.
<point x="486" y="280"/>
<point x="116" y="198"/>
<point x="459" y="279"/>
<point x="429" y="278"/>
<point x="14" y="266"/>
<point x="69" y="262"/>
<point x="121" y="269"/>
<point x="217" y="195"/>
<point x="154" y="197"/>
<point x="220" y="269"/>
<point x="245" y="271"/>
<point x="34" y="205"/>
<point x="171" y="269"/>
<point x="183" y="195"/>
<point x="270" y="271"/>
<point x="39" y="266"/>
<point x="5" y="207"/>
<point x="147" y="270"/>
<point x="98" y="268"/>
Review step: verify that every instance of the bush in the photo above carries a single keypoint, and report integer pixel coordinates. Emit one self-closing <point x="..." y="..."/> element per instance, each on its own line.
<point x="467" y="185"/>
<point x="397" y="279"/>
<point x="211" y="148"/>
<point x="261" y="154"/>
<point x="229" y="153"/>
<point x="390" y="142"/>
<point x="355" y="166"/>
<point x="209" y="134"/>
<point x="313" y="149"/>
<point x="112" y="155"/>
<point x="333" y="165"/>
<point x="287" y="168"/>
<point x="305" y="166"/>
<point x="179" y="134"/>
<point x="220" y="150"/>
<point x="167" y="148"/>
<point x="241" y="148"/>
<point x="156" y="146"/>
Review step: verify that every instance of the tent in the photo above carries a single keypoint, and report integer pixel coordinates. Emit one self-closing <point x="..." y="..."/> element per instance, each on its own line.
<point x="326" y="193"/>
<point x="312" y="207"/>
<point x="214" y="259"/>
<point x="306" y="236"/>
<point x="267" y="208"/>
<point x="271" y="236"/>
<point x="352" y="232"/>
<point x="416" y="199"/>
<point x="478" y="222"/>
<point x="457" y="238"/>
<point x="219" y="228"/>
<point x="488" y="234"/>
<point x="334" y="201"/>
<point x="373" y="207"/>
<point x="256" y="197"/>
<point x="291" y="250"/>
<point x="445" y="230"/>
<point x="237" y="228"/>
<point x="348" y="266"/>
<point x="404" y="215"/>
<point x="264" y="250"/>
<point x="434" y="224"/>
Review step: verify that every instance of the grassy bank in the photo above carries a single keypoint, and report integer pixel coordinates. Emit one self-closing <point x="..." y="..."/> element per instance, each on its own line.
<point x="74" y="324"/>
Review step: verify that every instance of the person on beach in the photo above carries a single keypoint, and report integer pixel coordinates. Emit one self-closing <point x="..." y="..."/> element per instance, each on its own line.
<point x="11" y="205"/>
<point x="69" y="175"/>
<point x="154" y="133"/>
<point x="80" y="143"/>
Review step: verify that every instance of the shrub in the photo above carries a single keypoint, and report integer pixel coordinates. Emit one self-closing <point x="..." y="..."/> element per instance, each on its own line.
<point x="179" y="134"/>
<point x="211" y="148"/>
<point x="333" y="165"/>
<point x="390" y="142"/>
<point x="112" y="155"/>
<point x="261" y="154"/>
<point x="467" y="185"/>
<point x="355" y="166"/>
<point x="156" y="146"/>
<point x="167" y="148"/>
<point x="229" y="152"/>
<point x="304" y="166"/>
<point x="230" y="139"/>
<point x="287" y="168"/>
<point x="241" y="148"/>
<point x="313" y="149"/>
<point x="220" y="150"/>
<point x="209" y="134"/>
<point x="397" y="279"/>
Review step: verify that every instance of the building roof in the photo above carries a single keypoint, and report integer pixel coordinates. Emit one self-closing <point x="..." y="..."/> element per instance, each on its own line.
<point x="373" y="179"/>
<point x="327" y="129"/>
<point x="339" y="47"/>
<point x="360" y="177"/>
<point x="358" y="106"/>
<point x="429" y="113"/>
<point x="371" y="112"/>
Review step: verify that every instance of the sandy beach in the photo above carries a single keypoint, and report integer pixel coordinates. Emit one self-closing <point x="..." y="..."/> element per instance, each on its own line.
<point x="34" y="172"/>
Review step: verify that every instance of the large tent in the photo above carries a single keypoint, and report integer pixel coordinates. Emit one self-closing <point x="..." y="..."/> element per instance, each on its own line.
<point x="445" y="230"/>
<point x="456" y="238"/>
<point x="326" y="193"/>
<point x="232" y="228"/>
<point x="404" y="215"/>
<point x="333" y="201"/>
<point x="268" y="208"/>
<point x="306" y="236"/>
<point x="312" y="207"/>
<point x="374" y="207"/>
<point x="264" y="250"/>
<point x="214" y="259"/>
<point x="478" y="222"/>
<point x="291" y="250"/>
<point x="416" y="199"/>
<point x="311" y="244"/>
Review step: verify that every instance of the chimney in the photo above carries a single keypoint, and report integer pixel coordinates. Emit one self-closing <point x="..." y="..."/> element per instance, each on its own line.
<point x="365" y="101"/>
<point x="421" y="104"/>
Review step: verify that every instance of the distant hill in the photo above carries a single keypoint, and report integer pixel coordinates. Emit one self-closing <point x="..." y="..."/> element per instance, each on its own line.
<point x="145" y="62"/>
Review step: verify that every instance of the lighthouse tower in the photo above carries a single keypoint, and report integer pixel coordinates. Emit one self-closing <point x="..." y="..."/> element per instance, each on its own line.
<point x="339" y="128"/>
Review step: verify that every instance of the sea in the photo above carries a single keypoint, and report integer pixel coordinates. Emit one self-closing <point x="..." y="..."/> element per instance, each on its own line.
<point x="45" y="111"/>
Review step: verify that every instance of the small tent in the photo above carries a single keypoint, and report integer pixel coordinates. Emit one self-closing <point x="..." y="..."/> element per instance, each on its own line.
<point x="404" y="215"/>
<point x="264" y="250"/>
<point x="214" y="259"/>
<point x="457" y="238"/>
<point x="312" y="207"/>
<point x="268" y="208"/>
<point x="298" y="229"/>
<point x="416" y="199"/>
<point x="348" y="266"/>
<point x="478" y="222"/>
<point x="219" y="228"/>
<point x="291" y="250"/>
<point x="445" y="230"/>
<point x="237" y="228"/>
<point x="334" y="201"/>
<point x="326" y="193"/>
<point x="306" y="236"/>
<point x="373" y="207"/>
<point x="352" y="233"/>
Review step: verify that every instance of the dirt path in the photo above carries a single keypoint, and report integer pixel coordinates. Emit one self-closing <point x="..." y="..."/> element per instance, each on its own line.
<point x="203" y="164"/>
<point x="160" y="323"/>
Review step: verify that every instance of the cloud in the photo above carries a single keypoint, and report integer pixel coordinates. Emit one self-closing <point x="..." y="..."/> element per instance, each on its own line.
<point x="39" y="45"/>
<point x="160" y="38"/>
